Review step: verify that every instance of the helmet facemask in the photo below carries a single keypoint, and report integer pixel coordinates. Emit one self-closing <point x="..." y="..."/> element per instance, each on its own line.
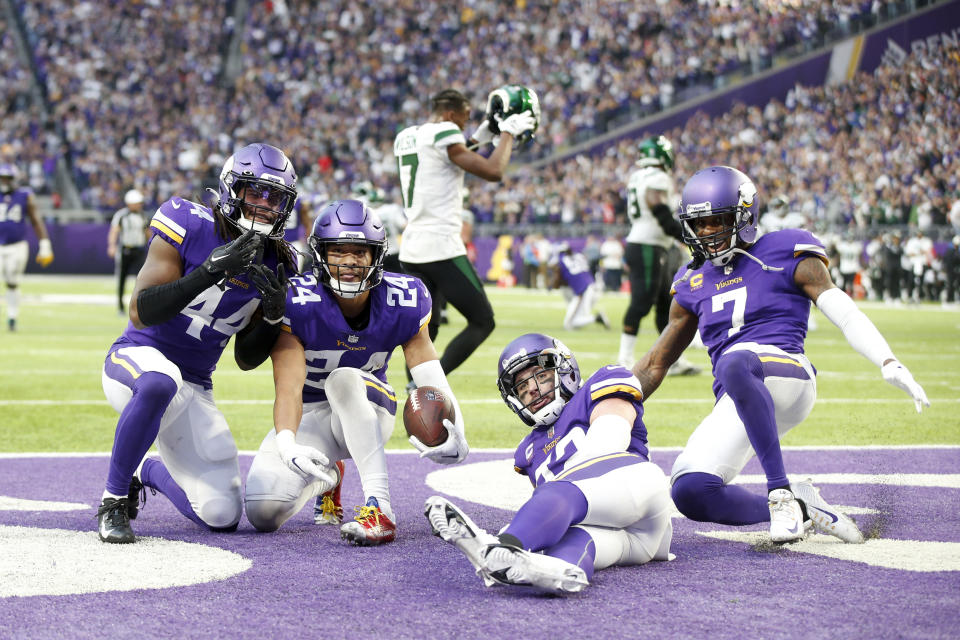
<point x="348" y="279"/>
<point x="557" y="379"/>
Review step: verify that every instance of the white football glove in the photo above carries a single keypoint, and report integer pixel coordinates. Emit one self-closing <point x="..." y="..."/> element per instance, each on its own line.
<point x="305" y="460"/>
<point x="518" y="123"/>
<point x="44" y="252"/>
<point x="483" y="135"/>
<point x="900" y="377"/>
<point x="452" y="451"/>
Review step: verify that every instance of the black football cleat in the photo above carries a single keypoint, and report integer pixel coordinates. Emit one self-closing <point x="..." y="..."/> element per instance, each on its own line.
<point x="137" y="497"/>
<point x="113" y="521"/>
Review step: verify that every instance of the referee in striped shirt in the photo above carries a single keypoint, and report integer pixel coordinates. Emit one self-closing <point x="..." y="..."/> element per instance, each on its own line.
<point x="127" y="242"/>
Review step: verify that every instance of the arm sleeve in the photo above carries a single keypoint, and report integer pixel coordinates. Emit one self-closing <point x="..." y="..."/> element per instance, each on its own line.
<point x="253" y="347"/>
<point x="669" y="224"/>
<point x="157" y="304"/>
<point x="862" y="335"/>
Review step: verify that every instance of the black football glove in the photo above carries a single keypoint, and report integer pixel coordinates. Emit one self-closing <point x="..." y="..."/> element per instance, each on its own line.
<point x="273" y="291"/>
<point x="234" y="257"/>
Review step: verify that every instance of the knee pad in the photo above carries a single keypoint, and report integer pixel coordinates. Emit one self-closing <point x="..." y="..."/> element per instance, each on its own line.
<point x="344" y="383"/>
<point x="267" y="515"/>
<point x="692" y="494"/>
<point x="156" y="387"/>
<point x="736" y="368"/>
<point x="219" y="507"/>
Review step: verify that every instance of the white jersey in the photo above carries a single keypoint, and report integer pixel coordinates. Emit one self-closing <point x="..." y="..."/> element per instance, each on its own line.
<point x="391" y="214"/>
<point x="850" y="251"/>
<point x="644" y="228"/>
<point x="431" y="188"/>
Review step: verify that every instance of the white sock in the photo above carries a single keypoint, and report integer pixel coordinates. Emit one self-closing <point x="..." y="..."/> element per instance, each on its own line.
<point x="107" y="494"/>
<point x="627" y="343"/>
<point x="13" y="303"/>
<point x="347" y="393"/>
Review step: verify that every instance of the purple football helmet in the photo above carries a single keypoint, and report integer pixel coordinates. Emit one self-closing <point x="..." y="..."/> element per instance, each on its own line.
<point x="719" y="191"/>
<point x="348" y="222"/>
<point x="260" y="180"/>
<point x="554" y="360"/>
<point x="8" y="177"/>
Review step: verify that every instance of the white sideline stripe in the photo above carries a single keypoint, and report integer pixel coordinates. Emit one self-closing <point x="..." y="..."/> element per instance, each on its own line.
<point x="904" y="401"/>
<point x="947" y="480"/>
<point x="509" y="451"/>
<point x="22" y="504"/>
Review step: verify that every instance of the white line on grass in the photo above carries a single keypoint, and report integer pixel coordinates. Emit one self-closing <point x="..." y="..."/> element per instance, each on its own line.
<point x="42" y="403"/>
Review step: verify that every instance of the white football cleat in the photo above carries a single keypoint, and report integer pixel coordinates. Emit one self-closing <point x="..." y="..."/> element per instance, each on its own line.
<point x="786" y="518"/>
<point x="507" y="564"/>
<point x="683" y="367"/>
<point x="454" y="527"/>
<point x="826" y="519"/>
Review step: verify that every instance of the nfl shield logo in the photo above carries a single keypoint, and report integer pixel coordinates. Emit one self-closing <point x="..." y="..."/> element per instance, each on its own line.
<point x="353" y="339"/>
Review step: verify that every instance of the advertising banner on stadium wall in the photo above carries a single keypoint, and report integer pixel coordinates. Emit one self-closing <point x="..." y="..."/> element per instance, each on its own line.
<point x="927" y="32"/>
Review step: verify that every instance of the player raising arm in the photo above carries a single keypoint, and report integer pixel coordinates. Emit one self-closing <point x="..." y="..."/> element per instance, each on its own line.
<point x="598" y="501"/>
<point x="750" y="299"/>
<point x="432" y="159"/>
<point x="333" y="402"/>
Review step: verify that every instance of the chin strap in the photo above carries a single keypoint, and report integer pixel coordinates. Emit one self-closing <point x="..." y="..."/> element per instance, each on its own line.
<point x="765" y="267"/>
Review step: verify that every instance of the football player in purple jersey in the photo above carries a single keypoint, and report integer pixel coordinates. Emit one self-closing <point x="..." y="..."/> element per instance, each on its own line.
<point x="749" y="297"/>
<point x="333" y="402"/>
<point x="598" y="500"/>
<point x="16" y="207"/>
<point x="209" y="275"/>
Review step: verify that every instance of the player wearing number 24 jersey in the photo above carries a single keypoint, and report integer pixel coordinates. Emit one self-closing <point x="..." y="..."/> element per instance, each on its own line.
<point x="332" y="398"/>
<point x="749" y="297"/>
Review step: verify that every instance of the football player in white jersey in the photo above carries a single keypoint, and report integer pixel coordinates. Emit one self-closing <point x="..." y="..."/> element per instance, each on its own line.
<point x="651" y="195"/>
<point x="432" y="158"/>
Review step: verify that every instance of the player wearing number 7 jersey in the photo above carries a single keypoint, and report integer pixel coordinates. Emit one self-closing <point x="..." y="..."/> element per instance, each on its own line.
<point x="750" y="299"/>
<point x="333" y="402"/>
<point x="432" y="158"/>
<point x="192" y="294"/>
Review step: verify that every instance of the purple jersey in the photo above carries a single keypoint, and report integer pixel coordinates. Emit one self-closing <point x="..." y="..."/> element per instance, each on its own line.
<point x="13" y="216"/>
<point x="575" y="271"/>
<point x="544" y="453"/>
<point x="195" y="339"/>
<point x="399" y="308"/>
<point x="748" y="303"/>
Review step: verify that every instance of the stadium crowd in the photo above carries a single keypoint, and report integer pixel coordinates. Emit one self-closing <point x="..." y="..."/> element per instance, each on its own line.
<point x="142" y="94"/>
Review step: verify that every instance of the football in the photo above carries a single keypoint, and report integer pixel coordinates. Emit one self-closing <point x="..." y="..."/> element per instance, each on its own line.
<point x="424" y="413"/>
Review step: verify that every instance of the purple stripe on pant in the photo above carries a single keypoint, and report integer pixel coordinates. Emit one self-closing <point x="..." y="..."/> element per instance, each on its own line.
<point x="781" y="369"/>
<point x="123" y="370"/>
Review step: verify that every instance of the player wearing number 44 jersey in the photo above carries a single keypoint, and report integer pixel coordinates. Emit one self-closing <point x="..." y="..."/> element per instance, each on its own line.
<point x="750" y="299"/>
<point x="598" y="500"/>
<point x="333" y="402"/>
<point x="198" y="287"/>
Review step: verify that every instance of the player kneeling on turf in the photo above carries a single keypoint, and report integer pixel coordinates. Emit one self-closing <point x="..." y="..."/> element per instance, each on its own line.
<point x="333" y="402"/>
<point x="598" y="500"/>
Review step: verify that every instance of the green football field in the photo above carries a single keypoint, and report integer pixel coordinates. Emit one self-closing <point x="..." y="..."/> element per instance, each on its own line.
<point x="52" y="401"/>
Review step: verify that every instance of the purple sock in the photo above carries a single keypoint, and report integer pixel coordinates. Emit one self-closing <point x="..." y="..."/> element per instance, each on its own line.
<point x="137" y="427"/>
<point x="544" y="519"/>
<point x="741" y="374"/>
<point x="576" y="547"/>
<point x="155" y="475"/>
<point x="703" y="497"/>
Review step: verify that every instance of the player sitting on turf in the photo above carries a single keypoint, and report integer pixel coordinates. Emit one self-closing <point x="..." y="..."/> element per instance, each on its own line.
<point x="750" y="299"/>
<point x="598" y="501"/>
<point x="329" y="365"/>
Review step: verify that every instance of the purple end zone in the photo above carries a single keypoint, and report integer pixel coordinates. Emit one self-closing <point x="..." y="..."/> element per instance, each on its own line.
<point x="305" y="580"/>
